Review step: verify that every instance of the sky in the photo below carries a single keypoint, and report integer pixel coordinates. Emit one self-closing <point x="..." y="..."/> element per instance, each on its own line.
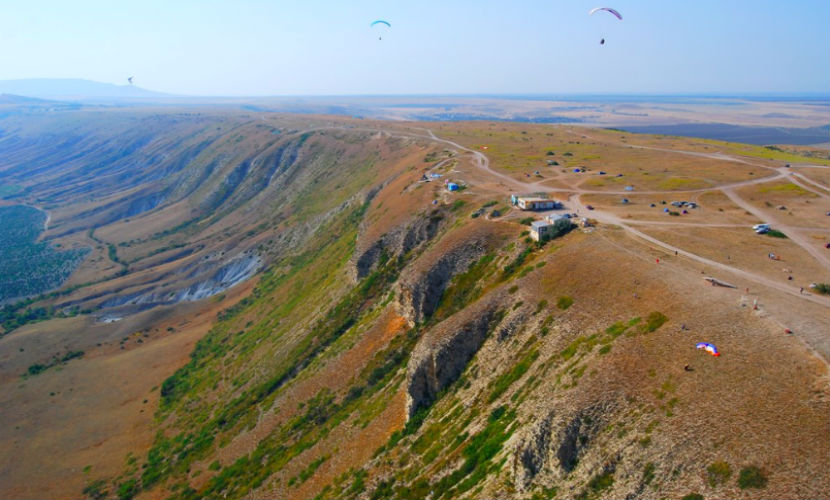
<point x="319" y="47"/>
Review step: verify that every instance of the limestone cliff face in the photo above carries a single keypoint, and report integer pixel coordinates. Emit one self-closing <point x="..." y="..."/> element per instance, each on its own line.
<point x="420" y="289"/>
<point x="444" y="352"/>
<point x="399" y="241"/>
<point x="442" y="355"/>
<point x="559" y="440"/>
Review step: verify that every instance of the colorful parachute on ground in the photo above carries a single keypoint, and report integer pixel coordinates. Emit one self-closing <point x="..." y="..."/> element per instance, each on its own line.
<point x="607" y="9"/>
<point x="710" y="348"/>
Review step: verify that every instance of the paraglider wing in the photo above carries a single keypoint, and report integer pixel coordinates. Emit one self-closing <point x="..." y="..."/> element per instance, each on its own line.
<point x="710" y="348"/>
<point x="380" y="21"/>
<point x="607" y="9"/>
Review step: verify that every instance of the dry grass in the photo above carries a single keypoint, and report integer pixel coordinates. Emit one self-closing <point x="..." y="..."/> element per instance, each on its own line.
<point x="819" y="175"/>
<point x="803" y="208"/>
<point x="98" y="412"/>
<point x="765" y="401"/>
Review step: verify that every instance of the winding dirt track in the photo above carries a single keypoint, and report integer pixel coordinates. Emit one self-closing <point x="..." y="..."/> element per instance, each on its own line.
<point x="483" y="163"/>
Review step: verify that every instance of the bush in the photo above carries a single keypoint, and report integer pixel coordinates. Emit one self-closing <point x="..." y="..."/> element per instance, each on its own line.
<point x="527" y="221"/>
<point x="509" y="269"/>
<point x="718" y="473"/>
<point x="564" y="302"/>
<point x="822" y="288"/>
<point x="693" y="496"/>
<point x="72" y="355"/>
<point x="601" y="482"/>
<point x="654" y="321"/>
<point x="36" y="368"/>
<point x="127" y="489"/>
<point x="96" y="490"/>
<point x="752" y="477"/>
<point x="648" y="473"/>
<point x="776" y="233"/>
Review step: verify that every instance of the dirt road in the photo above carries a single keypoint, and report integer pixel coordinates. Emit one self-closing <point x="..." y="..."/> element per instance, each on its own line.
<point x="481" y="161"/>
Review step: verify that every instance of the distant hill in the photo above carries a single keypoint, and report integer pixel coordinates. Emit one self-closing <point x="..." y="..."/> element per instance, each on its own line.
<point x="75" y="90"/>
<point x="17" y="99"/>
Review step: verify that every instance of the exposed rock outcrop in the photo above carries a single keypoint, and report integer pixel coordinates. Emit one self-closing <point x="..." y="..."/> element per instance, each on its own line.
<point x="399" y="242"/>
<point x="202" y="281"/>
<point x="556" y="443"/>
<point x="421" y="290"/>
<point x="442" y="355"/>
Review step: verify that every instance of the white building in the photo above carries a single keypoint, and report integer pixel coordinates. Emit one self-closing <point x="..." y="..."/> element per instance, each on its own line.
<point x="534" y="203"/>
<point x="539" y="229"/>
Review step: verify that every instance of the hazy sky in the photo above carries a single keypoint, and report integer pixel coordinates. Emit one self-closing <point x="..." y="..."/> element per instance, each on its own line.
<point x="278" y="47"/>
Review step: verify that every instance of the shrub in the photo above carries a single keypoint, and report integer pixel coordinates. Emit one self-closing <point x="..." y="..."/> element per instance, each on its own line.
<point x="601" y="482"/>
<point x="36" y="368"/>
<point x="527" y="221"/>
<point x="648" y="473"/>
<point x="509" y="269"/>
<point x="718" y="473"/>
<point x="96" y="490"/>
<point x="127" y="489"/>
<point x="564" y="302"/>
<point x="72" y="355"/>
<point x="654" y="321"/>
<point x="693" y="496"/>
<point x="752" y="477"/>
<point x="776" y="233"/>
<point x="822" y="288"/>
<point x="504" y="381"/>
